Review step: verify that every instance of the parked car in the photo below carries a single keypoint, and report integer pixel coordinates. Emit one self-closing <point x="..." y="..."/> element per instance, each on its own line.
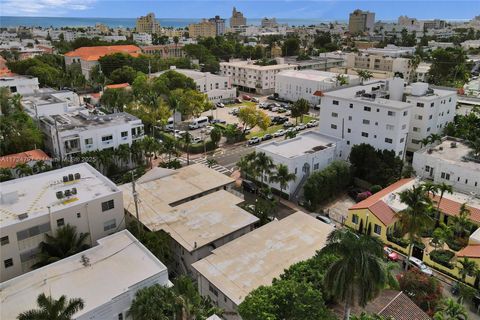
<point x="263" y="105"/>
<point x="253" y="141"/>
<point x="288" y="113"/>
<point x="301" y="127"/>
<point x="279" y="133"/>
<point x="179" y="132"/>
<point x="312" y="123"/>
<point x="218" y="121"/>
<point x="234" y="111"/>
<point x="390" y="254"/>
<point x="266" y="137"/>
<point x="288" y="124"/>
<point x="324" y="219"/>
<point x="255" y="100"/>
<point x="238" y="100"/>
<point x="249" y="186"/>
<point x="417" y="263"/>
<point x="197" y="140"/>
<point x="246" y="97"/>
<point x="220" y="105"/>
<point x="271" y="97"/>
<point x="274" y="109"/>
<point x="281" y="110"/>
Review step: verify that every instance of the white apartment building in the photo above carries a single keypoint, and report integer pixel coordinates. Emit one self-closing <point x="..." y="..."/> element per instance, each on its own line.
<point x="49" y="102"/>
<point x="380" y="65"/>
<point x="237" y="268"/>
<point x="372" y="113"/>
<point x="68" y="135"/>
<point x="307" y="84"/>
<point x="449" y="161"/>
<point x="421" y="73"/>
<point x="35" y="205"/>
<point x="470" y="44"/>
<point x="217" y="88"/>
<point x="391" y="50"/>
<point x="432" y="109"/>
<point x="142" y="38"/>
<point x="306" y="153"/>
<point x="106" y="277"/>
<point x="192" y="205"/>
<point x="20" y="84"/>
<point x="251" y="77"/>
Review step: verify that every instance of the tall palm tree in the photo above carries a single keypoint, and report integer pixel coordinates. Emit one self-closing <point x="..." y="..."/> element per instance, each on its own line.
<point x="364" y="75"/>
<point x="468" y="268"/>
<point x="246" y="165"/>
<point x="415" y="218"/>
<point x="122" y="153"/>
<point x="359" y="273"/>
<point x="264" y="164"/>
<point x="150" y="146"/>
<point x="442" y="188"/>
<point x="461" y="222"/>
<point x="451" y="310"/>
<point x="23" y="170"/>
<point x="282" y="176"/>
<point x="64" y="243"/>
<point x="52" y="309"/>
<point x="136" y="152"/>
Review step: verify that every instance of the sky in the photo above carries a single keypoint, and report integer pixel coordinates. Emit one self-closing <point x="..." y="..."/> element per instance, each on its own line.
<point x="312" y="9"/>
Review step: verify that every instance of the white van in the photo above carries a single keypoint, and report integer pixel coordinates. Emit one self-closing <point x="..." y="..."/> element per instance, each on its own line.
<point x="198" y="123"/>
<point x="169" y="125"/>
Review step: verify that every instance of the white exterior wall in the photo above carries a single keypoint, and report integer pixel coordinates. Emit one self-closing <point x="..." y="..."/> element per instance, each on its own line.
<point x="221" y="300"/>
<point x="20" y="85"/>
<point x="85" y="65"/>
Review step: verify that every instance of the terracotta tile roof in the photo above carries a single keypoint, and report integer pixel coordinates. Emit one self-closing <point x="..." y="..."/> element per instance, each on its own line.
<point x="11" y="160"/>
<point x="94" y="53"/>
<point x="383" y="212"/>
<point x="318" y="93"/>
<point x="380" y="194"/>
<point x="117" y="86"/>
<point x="452" y="208"/>
<point x="470" y="251"/>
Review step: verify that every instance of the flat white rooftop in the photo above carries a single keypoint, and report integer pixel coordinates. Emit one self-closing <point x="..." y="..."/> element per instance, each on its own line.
<point x="307" y="142"/>
<point x="251" y="65"/>
<point x="30" y="197"/>
<point x="116" y="264"/>
<point x="313" y="75"/>
<point x="190" y="73"/>
<point x="258" y="257"/>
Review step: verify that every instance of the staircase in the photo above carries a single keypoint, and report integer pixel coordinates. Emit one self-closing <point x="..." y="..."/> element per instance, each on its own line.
<point x="296" y="193"/>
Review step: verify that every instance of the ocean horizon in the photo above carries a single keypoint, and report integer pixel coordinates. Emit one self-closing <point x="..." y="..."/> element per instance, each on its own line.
<point x="58" y="22"/>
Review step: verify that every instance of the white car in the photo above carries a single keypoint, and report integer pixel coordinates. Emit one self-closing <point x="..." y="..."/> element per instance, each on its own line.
<point x="301" y="127"/>
<point x="312" y="123"/>
<point x="279" y="133"/>
<point x="417" y="263"/>
<point x="197" y="140"/>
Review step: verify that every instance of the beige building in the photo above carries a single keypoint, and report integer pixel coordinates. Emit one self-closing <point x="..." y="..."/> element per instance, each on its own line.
<point x="33" y="206"/>
<point x="232" y="271"/>
<point x="361" y="21"/>
<point x="165" y="50"/>
<point x="192" y="205"/>
<point x="147" y="24"/>
<point x="237" y="19"/>
<point x="203" y="29"/>
<point x="381" y="66"/>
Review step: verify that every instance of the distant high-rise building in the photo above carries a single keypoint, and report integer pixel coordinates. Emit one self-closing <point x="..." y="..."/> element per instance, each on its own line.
<point x="219" y="25"/>
<point x="237" y="19"/>
<point x="203" y="29"/>
<point x="147" y="24"/>
<point x="361" y="21"/>
<point x="269" y="23"/>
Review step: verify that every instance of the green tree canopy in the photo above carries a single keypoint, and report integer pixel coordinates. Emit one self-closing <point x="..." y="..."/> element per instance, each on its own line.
<point x="52" y="309"/>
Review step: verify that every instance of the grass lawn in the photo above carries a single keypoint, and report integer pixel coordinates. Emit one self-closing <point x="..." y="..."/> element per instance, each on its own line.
<point x="306" y="119"/>
<point x="244" y="103"/>
<point x="261" y="133"/>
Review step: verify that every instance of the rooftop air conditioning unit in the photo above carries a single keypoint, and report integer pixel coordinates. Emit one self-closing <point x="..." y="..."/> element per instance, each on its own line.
<point x="70" y="177"/>
<point x="59" y="195"/>
<point x="77" y="176"/>
<point x="453" y="144"/>
<point x="23" y="216"/>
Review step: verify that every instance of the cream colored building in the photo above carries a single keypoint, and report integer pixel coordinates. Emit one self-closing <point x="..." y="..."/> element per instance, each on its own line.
<point x="203" y="29"/>
<point x="147" y="24"/>
<point x="361" y="21"/>
<point x="382" y="66"/>
<point x="232" y="271"/>
<point x="33" y="206"/>
<point x="192" y="205"/>
<point x="237" y="19"/>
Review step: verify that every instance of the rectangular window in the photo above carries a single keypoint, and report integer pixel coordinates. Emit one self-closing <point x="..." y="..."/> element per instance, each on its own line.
<point x="416" y="129"/>
<point x="365" y="121"/>
<point x="335" y="102"/>
<point x="89" y="141"/>
<point x="404" y="126"/>
<point x="367" y="109"/>
<point x="418" y="117"/>
<point x="445" y="175"/>
<point x="120" y="316"/>
<point x="348" y="142"/>
<point x="405" y="113"/>
<point x="364" y="134"/>
<point x="316" y="166"/>
<point x="33" y="231"/>
<point x="8" y="263"/>
<point x="107" y="138"/>
<point x="212" y="290"/>
<point x="390" y="127"/>
<point x="377" y="229"/>
<point x="349" y="130"/>
<point x="108" y="205"/>
<point x="124" y="134"/>
<point x="333" y="126"/>
<point x="388" y="140"/>
<point x="4" y="240"/>
<point x="420" y="105"/>
<point x="351" y="106"/>
<point x="60" y="222"/>
<point x="427" y="168"/>
<point x="79" y="215"/>
<point x="349" y="118"/>
<point x="391" y="113"/>
<point x="334" y="114"/>
<point x="402" y="139"/>
<point x="355" y="219"/>
<point x="109" y="225"/>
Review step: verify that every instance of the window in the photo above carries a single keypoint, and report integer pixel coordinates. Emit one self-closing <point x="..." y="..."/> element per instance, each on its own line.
<point x="420" y="105"/>
<point x="388" y="140"/>
<point x="109" y="225"/>
<point x="402" y="139"/>
<point x="348" y="142"/>
<point x="404" y="126"/>
<point x="89" y="141"/>
<point x="432" y="104"/>
<point x="365" y="121"/>
<point x="364" y="134"/>
<point x="107" y="205"/>
<point x="335" y="102"/>
<point x="418" y="117"/>
<point x="416" y="129"/>
<point x="390" y="127"/>
<point x="367" y="109"/>
<point x="349" y="130"/>
<point x="391" y="113"/>
<point x="349" y="118"/>
<point x="377" y="229"/>
<point x="315" y="166"/>
<point x="33" y="231"/>
<point x="333" y="126"/>
<point x="124" y="134"/>
<point x="8" y="263"/>
<point x="79" y="215"/>
<point x="355" y="219"/>
<point x="120" y="316"/>
<point x="415" y="141"/>
<point x="212" y="290"/>
<point x="351" y="105"/>
<point x="405" y="113"/>
<point x="428" y="129"/>
<point x="334" y="114"/>
<point x="107" y="138"/>
<point x="60" y="222"/>
<point x="4" y="240"/>
<point x="466" y="181"/>
<point x="445" y="175"/>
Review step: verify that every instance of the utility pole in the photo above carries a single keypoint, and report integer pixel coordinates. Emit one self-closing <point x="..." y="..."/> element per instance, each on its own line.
<point x="58" y="143"/>
<point x="135" y="200"/>
<point x="149" y="68"/>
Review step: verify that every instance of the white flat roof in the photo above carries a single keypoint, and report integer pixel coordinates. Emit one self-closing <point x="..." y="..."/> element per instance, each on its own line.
<point x="258" y="257"/>
<point x="116" y="264"/>
<point x="32" y="195"/>
<point x="313" y="75"/>
<point x="190" y="73"/>
<point x="307" y="142"/>
<point x="446" y="153"/>
<point x="251" y="65"/>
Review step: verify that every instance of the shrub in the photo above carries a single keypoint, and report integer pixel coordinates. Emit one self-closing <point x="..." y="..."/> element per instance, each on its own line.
<point x="173" y="164"/>
<point x="375" y="188"/>
<point x="425" y="291"/>
<point x="398" y="241"/>
<point x="442" y="257"/>
<point x="455" y="244"/>
<point x="363" y="195"/>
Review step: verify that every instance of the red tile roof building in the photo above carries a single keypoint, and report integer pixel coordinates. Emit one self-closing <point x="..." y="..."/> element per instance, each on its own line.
<point x="95" y="53"/>
<point x="12" y="160"/>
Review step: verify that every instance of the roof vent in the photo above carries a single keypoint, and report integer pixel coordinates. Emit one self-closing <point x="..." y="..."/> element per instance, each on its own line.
<point x="453" y="144"/>
<point x="23" y="216"/>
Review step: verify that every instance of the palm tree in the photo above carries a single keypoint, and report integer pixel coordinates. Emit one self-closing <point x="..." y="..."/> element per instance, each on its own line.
<point x="414" y="219"/>
<point x="341" y="79"/>
<point x="442" y="188"/>
<point x="299" y="108"/>
<point x="450" y="310"/>
<point x="461" y="222"/>
<point x="187" y="140"/>
<point x="23" y="169"/>
<point x="264" y="164"/>
<point x="150" y="146"/>
<point x="474" y="144"/>
<point x="425" y="141"/>
<point x="441" y="235"/>
<point x="64" y="243"/>
<point x="468" y="268"/>
<point x="123" y="154"/>
<point x="364" y="75"/>
<point x="136" y="152"/>
<point x="61" y="309"/>
<point x="246" y="165"/>
<point x="359" y="273"/>
<point x="282" y="176"/>
<point x="211" y="162"/>
<point x="40" y="166"/>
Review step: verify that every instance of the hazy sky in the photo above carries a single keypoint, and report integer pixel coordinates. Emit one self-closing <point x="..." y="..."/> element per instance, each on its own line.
<point x="317" y="9"/>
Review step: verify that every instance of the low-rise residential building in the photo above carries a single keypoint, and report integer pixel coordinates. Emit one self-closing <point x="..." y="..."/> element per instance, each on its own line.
<point x="380" y="65"/>
<point x="450" y="161"/>
<point x="232" y="271"/>
<point x="217" y="88"/>
<point x="203" y="29"/>
<point x="421" y="73"/>
<point x="251" y="77"/>
<point x="470" y="44"/>
<point x="307" y="84"/>
<point x="102" y="277"/>
<point x="142" y="38"/>
<point x="24" y="85"/>
<point x="165" y="50"/>
<point x="70" y="134"/>
<point x="316" y="63"/>
<point x="391" y="50"/>
<point x="48" y="102"/>
<point x="192" y="205"/>
<point x="306" y="153"/>
<point x="30" y="158"/>
<point x="77" y="195"/>
<point x="88" y="57"/>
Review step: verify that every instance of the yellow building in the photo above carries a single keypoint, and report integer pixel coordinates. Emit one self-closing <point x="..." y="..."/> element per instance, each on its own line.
<point x="147" y="24"/>
<point x="203" y="29"/>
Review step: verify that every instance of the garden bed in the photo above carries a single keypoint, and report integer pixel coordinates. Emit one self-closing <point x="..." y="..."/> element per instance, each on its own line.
<point x="443" y="257"/>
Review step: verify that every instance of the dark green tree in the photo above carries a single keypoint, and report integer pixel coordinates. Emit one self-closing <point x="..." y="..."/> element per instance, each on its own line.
<point x="52" y="309"/>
